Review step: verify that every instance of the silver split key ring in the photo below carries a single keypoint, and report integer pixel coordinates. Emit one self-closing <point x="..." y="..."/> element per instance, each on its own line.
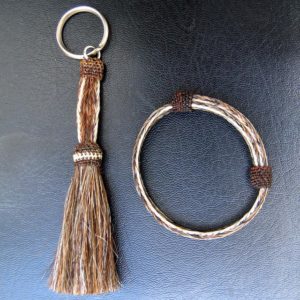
<point x="86" y="52"/>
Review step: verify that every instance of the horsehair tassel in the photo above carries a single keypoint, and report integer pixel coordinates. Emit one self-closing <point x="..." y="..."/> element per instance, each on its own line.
<point x="85" y="258"/>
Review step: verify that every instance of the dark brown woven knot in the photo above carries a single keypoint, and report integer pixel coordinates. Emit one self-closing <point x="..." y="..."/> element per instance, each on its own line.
<point x="93" y="147"/>
<point x="87" y="153"/>
<point x="261" y="177"/>
<point x="93" y="67"/>
<point x="182" y="101"/>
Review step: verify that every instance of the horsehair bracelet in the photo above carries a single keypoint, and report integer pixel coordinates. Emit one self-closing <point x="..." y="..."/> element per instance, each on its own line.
<point x="260" y="172"/>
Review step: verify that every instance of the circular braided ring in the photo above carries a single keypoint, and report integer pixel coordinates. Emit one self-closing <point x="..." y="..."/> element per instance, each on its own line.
<point x="250" y="135"/>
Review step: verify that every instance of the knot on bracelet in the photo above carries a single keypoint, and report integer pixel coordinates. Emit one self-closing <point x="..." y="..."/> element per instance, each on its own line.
<point x="92" y="67"/>
<point x="87" y="153"/>
<point x="182" y="101"/>
<point x="261" y="176"/>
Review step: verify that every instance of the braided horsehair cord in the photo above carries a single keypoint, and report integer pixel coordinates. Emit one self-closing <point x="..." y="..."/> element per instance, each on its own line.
<point x="260" y="172"/>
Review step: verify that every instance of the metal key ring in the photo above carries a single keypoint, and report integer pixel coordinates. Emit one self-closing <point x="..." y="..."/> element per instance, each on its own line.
<point x="66" y="17"/>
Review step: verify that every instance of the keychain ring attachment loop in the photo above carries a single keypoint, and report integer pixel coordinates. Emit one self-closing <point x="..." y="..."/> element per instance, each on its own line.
<point x="88" y="53"/>
<point x="66" y="17"/>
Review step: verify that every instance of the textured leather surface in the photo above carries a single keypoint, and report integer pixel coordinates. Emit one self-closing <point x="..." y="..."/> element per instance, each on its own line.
<point x="243" y="52"/>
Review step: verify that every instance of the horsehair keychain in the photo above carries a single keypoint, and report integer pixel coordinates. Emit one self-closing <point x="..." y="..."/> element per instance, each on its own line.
<point x="260" y="172"/>
<point x="85" y="258"/>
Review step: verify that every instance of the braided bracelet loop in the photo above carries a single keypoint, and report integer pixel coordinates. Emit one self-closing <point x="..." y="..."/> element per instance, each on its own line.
<point x="261" y="173"/>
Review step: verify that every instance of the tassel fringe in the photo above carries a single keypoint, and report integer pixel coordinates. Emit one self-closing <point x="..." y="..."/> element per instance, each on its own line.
<point x="85" y="261"/>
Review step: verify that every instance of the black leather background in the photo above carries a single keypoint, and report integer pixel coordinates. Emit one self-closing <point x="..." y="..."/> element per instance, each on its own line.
<point x="195" y="165"/>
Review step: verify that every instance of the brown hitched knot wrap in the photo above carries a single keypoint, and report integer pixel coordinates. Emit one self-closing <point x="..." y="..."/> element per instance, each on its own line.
<point x="260" y="172"/>
<point x="87" y="154"/>
<point x="92" y="67"/>
<point x="182" y="101"/>
<point x="261" y="176"/>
